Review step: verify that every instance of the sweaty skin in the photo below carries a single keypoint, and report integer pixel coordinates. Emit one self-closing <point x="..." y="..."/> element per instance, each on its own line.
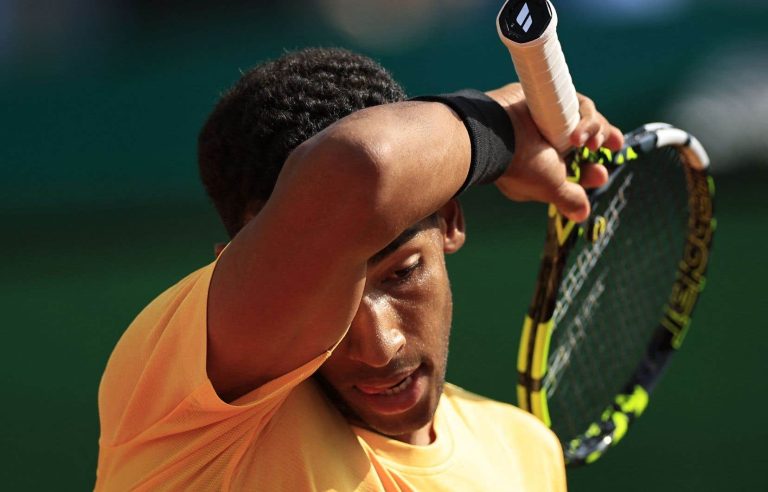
<point x="388" y="372"/>
<point x="353" y="194"/>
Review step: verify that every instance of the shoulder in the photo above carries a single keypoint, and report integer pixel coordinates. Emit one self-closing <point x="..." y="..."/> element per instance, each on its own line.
<point x="161" y="352"/>
<point x="176" y="315"/>
<point x="521" y="445"/>
<point x="479" y="412"/>
<point x="189" y="290"/>
<point x="475" y="405"/>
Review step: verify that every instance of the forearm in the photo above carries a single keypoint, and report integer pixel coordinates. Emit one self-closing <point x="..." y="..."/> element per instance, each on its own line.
<point x="394" y="164"/>
<point x="290" y="282"/>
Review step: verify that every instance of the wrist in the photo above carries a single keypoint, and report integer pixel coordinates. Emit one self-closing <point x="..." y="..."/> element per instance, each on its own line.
<point x="509" y="97"/>
<point x="490" y="130"/>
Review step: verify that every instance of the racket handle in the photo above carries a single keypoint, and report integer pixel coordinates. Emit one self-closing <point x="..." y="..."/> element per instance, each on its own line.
<point x="528" y="29"/>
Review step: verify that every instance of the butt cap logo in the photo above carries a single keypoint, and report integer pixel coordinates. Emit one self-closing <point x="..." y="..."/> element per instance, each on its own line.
<point x="524" y="18"/>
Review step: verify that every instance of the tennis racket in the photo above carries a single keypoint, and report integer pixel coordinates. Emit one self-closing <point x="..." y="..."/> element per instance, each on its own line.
<point x="615" y="294"/>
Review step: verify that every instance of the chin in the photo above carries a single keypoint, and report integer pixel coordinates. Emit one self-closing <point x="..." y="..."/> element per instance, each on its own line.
<point x="388" y="418"/>
<point x="400" y="426"/>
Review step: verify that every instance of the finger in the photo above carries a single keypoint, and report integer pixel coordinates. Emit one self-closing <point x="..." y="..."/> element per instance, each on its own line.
<point x="614" y="139"/>
<point x="585" y="130"/>
<point x="571" y="200"/>
<point x="593" y="175"/>
<point x="595" y="141"/>
<point x="590" y="123"/>
<point x="587" y="106"/>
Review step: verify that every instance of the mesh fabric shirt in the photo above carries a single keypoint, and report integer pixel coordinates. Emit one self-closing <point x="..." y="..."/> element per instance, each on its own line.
<point x="163" y="427"/>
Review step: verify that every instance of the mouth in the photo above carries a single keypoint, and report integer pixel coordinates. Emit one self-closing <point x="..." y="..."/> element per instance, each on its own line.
<point x="386" y="388"/>
<point x="395" y="394"/>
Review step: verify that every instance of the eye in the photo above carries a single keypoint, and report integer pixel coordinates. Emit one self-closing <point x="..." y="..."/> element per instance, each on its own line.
<point x="408" y="268"/>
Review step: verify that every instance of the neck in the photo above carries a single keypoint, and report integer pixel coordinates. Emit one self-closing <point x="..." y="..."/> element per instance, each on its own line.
<point x="420" y="437"/>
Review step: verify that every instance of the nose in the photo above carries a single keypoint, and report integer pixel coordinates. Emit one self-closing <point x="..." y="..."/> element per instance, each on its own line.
<point x="375" y="336"/>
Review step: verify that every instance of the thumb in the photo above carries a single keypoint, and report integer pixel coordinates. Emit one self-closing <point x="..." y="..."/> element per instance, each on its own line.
<point x="571" y="200"/>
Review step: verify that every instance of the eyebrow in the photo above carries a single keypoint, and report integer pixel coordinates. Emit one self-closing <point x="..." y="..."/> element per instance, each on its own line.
<point x="403" y="238"/>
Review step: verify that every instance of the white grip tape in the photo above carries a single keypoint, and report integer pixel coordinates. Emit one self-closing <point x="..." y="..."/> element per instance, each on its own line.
<point x="547" y="84"/>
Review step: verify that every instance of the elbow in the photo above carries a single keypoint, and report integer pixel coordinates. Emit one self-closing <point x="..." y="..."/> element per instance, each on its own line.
<point x="354" y="179"/>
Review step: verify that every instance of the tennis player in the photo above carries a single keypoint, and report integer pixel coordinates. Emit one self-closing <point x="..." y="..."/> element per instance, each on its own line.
<point x="311" y="354"/>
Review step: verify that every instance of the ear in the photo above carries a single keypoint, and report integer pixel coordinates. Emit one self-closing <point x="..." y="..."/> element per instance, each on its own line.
<point x="451" y="219"/>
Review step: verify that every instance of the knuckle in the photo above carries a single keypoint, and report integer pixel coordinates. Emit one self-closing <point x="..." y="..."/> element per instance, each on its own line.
<point x="591" y="124"/>
<point x="587" y="102"/>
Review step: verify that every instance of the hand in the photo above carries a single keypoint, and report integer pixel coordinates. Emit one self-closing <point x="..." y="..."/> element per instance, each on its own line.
<point x="537" y="172"/>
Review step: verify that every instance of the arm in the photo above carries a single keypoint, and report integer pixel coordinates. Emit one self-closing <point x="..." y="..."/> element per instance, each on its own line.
<point x="290" y="283"/>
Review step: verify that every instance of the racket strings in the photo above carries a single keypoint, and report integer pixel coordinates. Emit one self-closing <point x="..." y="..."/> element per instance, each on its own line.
<point x="614" y="291"/>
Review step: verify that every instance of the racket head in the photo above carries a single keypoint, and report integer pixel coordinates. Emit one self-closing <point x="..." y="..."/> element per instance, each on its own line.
<point x="615" y="294"/>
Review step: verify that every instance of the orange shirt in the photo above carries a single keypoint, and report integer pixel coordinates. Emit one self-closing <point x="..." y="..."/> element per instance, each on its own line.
<point x="163" y="427"/>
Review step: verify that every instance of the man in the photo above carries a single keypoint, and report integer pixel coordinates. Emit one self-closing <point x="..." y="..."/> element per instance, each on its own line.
<point x="311" y="355"/>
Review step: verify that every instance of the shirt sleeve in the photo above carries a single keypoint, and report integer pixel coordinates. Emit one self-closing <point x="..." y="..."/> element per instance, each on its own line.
<point x="156" y="402"/>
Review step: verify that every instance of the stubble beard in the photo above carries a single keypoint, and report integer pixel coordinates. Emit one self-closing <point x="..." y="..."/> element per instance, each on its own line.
<point x="352" y="416"/>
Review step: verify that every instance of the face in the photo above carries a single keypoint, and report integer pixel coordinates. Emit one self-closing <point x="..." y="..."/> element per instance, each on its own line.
<point x="388" y="372"/>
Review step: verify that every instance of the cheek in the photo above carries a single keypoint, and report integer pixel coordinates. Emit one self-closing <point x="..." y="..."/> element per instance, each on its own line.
<point x="423" y="312"/>
<point x="427" y="314"/>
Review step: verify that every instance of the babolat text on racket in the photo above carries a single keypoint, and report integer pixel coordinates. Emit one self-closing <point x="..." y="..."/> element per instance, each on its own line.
<point x="615" y="294"/>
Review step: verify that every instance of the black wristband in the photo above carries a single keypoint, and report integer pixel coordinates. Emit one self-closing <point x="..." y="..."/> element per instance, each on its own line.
<point x="490" y="133"/>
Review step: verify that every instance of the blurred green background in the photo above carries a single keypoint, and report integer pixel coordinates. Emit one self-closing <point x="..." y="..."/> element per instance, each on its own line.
<point x="101" y="105"/>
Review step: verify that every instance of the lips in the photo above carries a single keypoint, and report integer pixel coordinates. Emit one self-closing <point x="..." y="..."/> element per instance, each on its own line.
<point x="395" y="394"/>
<point x="386" y="388"/>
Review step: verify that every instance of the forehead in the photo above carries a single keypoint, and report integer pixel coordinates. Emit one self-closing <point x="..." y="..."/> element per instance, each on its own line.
<point x="403" y="238"/>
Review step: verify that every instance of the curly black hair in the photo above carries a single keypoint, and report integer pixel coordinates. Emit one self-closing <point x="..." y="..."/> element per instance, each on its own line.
<point x="272" y="109"/>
